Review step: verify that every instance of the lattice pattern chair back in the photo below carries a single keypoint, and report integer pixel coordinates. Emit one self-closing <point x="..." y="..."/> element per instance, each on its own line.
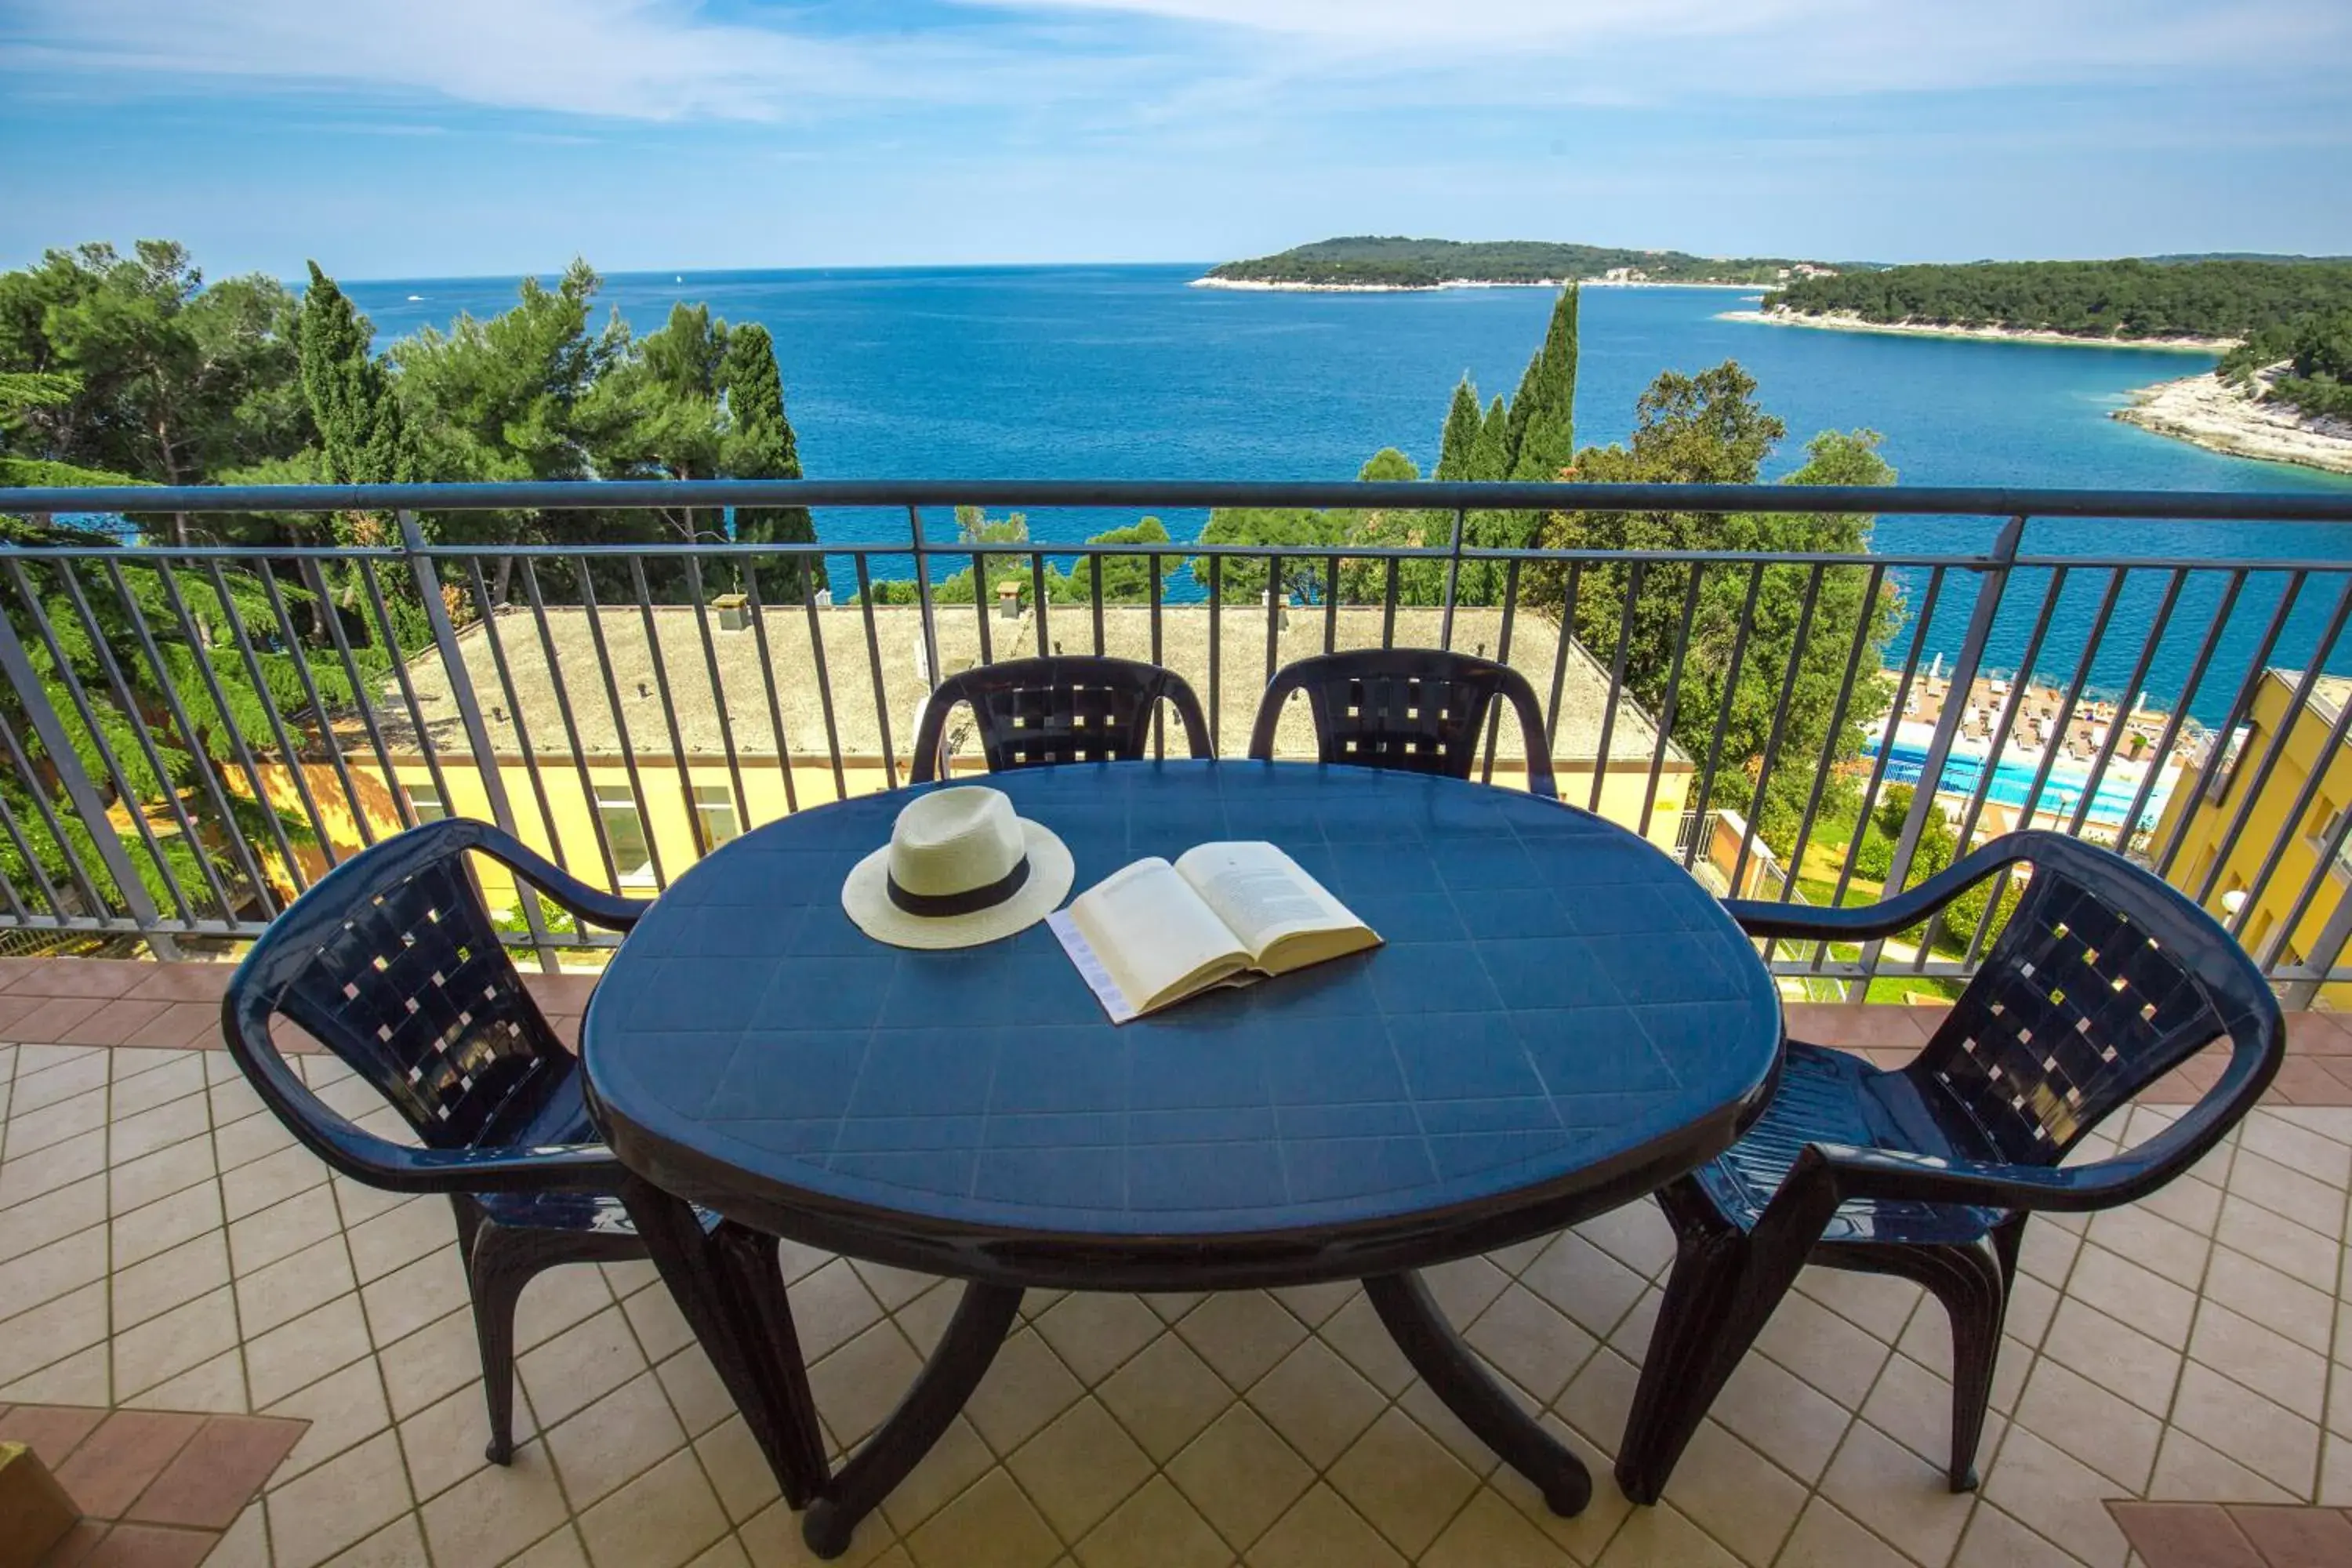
<point x="1035" y="712"/>
<point x="390" y="961"/>
<point x="2078" y="1006"/>
<point x="1420" y="710"/>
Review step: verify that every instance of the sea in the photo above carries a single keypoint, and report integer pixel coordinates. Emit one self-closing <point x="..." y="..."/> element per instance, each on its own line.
<point x="1127" y="373"/>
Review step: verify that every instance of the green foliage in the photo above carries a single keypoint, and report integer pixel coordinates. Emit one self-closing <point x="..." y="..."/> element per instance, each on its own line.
<point x="1708" y="428"/>
<point x="1395" y="262"/>
<point x="1126" y="580"/>
<point x="1542" y="429"/>
<point x="2128" y="298"/>
<point x="1460" y="435"/>
<point x="1893" y="809"/>
<point x="763" y="447"/>
<point x="1419" y="581"/>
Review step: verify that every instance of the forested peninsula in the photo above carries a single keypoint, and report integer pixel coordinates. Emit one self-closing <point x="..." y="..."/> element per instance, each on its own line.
<point x="1391" y="262"/>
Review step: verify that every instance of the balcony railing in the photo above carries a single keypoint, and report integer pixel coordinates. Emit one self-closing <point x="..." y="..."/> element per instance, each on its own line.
<point x="198" y="730"/>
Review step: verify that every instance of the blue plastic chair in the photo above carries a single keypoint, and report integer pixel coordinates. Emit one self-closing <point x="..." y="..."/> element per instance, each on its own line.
<point x="2103" y="980"/>
<point x="391" y="961"/>
<point x="1410" y="710"/>
<point x="1066" y="708"/>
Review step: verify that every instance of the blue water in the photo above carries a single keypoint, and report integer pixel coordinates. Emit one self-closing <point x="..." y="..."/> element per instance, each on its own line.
<point x="1124" y="372"/>
<point x="2013" y="785"/>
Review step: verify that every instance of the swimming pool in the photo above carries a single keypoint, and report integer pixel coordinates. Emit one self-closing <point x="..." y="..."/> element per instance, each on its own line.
<point x="2012" y="781"/>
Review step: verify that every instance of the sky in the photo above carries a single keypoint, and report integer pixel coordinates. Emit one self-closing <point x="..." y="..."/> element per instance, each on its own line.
<point x="441" y="138"/>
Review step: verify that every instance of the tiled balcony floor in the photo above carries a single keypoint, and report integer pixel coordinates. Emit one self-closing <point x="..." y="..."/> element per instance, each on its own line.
<point x="164" y="1245"/>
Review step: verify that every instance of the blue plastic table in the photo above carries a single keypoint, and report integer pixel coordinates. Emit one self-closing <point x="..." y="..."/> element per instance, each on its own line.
<point x="1561" y="1020"/>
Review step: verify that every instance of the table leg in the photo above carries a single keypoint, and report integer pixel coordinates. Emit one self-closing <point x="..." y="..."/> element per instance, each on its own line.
<point x="730" y="1292"/>
<point x="1454" y="1374"/>
<point x="982" y="1319"/>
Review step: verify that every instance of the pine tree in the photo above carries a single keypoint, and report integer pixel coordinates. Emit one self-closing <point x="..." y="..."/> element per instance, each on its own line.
<point x="360" y="435"/>
<point x="1543" y="415"/>
<point x="763" y="448"/>
<point x="1461" y="433"/>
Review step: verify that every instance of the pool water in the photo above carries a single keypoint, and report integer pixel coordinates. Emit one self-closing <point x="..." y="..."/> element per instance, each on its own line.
<point x="2012" y="782"/>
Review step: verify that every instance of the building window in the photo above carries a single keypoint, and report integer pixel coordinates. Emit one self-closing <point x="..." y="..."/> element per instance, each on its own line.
<point x="625" y="830"/>
<point x="425" y="803"/>
<point x="2330" y="818"/>
<point x="714" y="808"/>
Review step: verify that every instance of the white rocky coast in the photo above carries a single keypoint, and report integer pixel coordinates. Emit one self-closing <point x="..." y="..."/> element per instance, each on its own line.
<point x="2211" y="413"/>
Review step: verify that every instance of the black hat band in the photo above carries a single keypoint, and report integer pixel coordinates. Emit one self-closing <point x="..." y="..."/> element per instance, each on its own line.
<point x="936" y="905"/>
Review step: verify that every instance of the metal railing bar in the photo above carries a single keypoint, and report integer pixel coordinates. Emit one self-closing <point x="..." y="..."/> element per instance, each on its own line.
<point x="1158" y="720"/>
<point x="621" y="732"/>
<point x="1094" y="580"/>
<point x="167" y="580"/>
<point x="768" y="685"/>
<point x="718" y="696"/>
<point x="2060" y="727"/>
<point x="1772" y="735"/>
<point x="571" y="726"/>
<point x="1387" y="602"/>
<point x="1631" y="597"/>
<point x="1973" y="812"/>
<point x="2325" y="866"/>
<point x="694" y="834"/>
<point x="824" y="674"/>
<point x="2291" y="826"/>
<point x="486" y="613"/>
<point x="295" y="772"/>
<point x="1452" y="580"/>
<point x="2280" y="739"/>
<point x="1502" y="656"/>
<point x="295" y="655"/>
<point x="981" y="596"/>
<point x="1216" y="686"/>
<point x="1410" y="495"/>
<point x="2107" y="748"/>
<point x="65" y="765"/>
<point x="86" y="712"/>
<point x="17" y="907"/>
<point x="2179" y="714"/>
<point x="360" y="699"/>
<point x="1274" y="607"/>
<point x="1331" y="604"/>
<point x="2216" y="759"/>
<point x="874" y="665"/>
<point x="1560" y="655"/>
<point x="32" y="785"/>
<point x="1830" y="739"/>
<point x="127" y="702"/>
<point x="1723" y="714"/>
<point x="923" y="601"/>
<point x="1665" y="717"/>
<point x="1922" y="623"/>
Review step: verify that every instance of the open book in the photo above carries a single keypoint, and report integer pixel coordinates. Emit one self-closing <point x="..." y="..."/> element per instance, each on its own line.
<point x="1223" y="914"/>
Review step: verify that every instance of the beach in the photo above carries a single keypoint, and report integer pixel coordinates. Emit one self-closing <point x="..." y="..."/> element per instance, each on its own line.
<point x="1839" y="322"/>
<point x="2210" y="412"/>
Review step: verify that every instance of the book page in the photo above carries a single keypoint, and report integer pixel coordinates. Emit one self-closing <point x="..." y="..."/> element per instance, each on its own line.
<point x="1269" y="900"/>
<point x="1152" y="934"/>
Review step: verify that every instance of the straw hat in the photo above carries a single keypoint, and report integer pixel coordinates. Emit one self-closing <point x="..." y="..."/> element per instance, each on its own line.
<point x="960" y="869"/>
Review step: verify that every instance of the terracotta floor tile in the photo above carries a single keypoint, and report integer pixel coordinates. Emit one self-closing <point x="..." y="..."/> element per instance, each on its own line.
<point x="73" y="1550"/>
<point x="151" y="1546"/>
<point x="101" y="979"/>
<point x="180" y="1025"/>
<point x="182" y="983"/>
<point x="218" y="1473"/>
<point x="49" y="1430"/>
<point x="2298" y="1537"/>
<point x="2184" y="1535"/>
<point x="112" y="1024"/>
<point x="122" y="1458"/>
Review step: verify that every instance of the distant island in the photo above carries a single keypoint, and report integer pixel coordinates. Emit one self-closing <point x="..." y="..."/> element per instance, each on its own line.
<point x="1384" y="263"/>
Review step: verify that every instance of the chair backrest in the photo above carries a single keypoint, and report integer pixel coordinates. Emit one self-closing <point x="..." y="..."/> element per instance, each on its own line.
<point x="1408" y="709"/>
<point x="2103" y="980"/>
<point x="390" y="961"/>
<point x="1032" y="712"/>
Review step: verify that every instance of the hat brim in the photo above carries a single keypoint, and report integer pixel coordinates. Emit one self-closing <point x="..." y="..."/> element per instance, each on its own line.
<point x="866" y="898"/>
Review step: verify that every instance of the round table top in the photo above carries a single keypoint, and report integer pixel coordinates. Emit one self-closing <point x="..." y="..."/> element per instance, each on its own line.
<point x="1560" y="1020"/>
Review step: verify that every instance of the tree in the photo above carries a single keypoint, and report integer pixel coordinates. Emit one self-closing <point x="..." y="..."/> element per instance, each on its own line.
<point x="1708" y="428"/>
<point x="1542" y="431"/>
<point x="1461" y="433"/>
<point x="763" y="447"/>
<point x="173" y="382"/>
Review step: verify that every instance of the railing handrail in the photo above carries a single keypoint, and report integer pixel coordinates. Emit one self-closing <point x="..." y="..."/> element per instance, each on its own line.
<point x="1911" y="500"/>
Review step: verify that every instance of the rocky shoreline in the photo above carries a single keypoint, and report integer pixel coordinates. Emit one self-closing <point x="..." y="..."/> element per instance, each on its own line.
<point x="2209" y="412"/>
<point x="1838" y="321"/>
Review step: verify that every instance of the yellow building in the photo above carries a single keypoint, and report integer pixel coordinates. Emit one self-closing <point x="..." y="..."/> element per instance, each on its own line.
<point x="626" y="788"/>
<point x="2232" y="865"/>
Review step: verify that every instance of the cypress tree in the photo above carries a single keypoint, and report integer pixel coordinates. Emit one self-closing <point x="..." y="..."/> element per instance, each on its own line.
<point x="1461" y="433"/>
<point x="351" y="401"/>
<point x="1543" y="416"/>
<point x="763" y="448"/>
<point x="1490" y="452"/>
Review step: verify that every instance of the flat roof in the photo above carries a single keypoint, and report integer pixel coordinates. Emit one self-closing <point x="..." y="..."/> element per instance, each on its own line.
<point x="524" y="699"/>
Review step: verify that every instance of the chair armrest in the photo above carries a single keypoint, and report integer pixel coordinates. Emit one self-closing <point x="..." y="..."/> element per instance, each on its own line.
<point x="1764" y="916"/>
<point x="591" y="904"/>
<point x="378" y="1162"/>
